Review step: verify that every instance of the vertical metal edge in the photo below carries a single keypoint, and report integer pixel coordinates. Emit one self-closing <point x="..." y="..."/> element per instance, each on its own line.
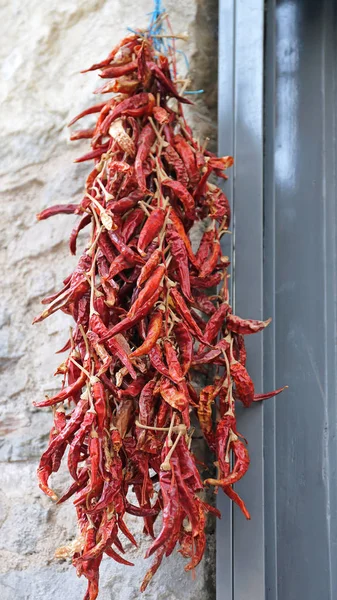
<point x="224" y="533"/>
<point x="330" y="290"/>
<point x="269" y="416"/>
<point x="248" y="537"/>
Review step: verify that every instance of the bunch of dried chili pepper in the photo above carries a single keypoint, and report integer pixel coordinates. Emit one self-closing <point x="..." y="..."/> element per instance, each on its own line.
<point x="144" y="322"/>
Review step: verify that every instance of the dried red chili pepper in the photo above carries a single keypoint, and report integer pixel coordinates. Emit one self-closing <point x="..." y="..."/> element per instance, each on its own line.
<point x="245" y="326"/>
<point x="153" y="334"/>
<point x="184" y="196"/>
<point x="146" y="139"/>
<point x="58" y="209"/>
<point x="151" y="285"/>
<point x="243" y="384"/>
<point x="152" y="262"/>
<point x="206" y="399"/>
<point x="151" y="229"/>
<point x="179" y="253"/>
<point x="185" y="344"/>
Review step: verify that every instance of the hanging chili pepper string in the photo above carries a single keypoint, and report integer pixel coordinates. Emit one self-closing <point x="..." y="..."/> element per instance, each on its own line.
<point x="144" y="325"/>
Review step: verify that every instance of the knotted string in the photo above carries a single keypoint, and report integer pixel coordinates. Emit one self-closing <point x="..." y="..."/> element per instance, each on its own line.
<point x="164" y="45"/>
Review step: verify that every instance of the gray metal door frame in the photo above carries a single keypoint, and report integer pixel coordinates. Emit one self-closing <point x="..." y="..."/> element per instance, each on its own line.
<point x="277" y="117"/>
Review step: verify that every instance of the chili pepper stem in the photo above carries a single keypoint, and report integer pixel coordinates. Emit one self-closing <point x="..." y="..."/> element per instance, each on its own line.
<point x="169" y="439"/>
<point x="166" y="466"/>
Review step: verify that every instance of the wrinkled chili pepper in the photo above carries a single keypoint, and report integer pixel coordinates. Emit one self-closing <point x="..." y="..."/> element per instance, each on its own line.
<point x="245" y="326"/>
<point x="151" y="229"/>
<point x="146" y="139"/>
<point x="153" y="333"/>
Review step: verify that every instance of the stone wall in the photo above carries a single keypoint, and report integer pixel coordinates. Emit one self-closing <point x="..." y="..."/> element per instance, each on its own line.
<point x="43" y="46"/>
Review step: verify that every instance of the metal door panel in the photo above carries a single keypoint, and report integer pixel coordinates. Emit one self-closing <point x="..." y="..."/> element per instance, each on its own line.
<point x="283" y="189"/>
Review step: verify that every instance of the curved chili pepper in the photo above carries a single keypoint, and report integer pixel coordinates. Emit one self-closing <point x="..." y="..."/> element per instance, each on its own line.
<point x="187" y="155"/>
<point x="140" y="511"/>
<point x="153" y="569"/>
<point x="156" y="358"/>
<point x="234" y="496"/>
<point x="118" y="265"/>
<point x="172" y="361"/>
<point x="245" y="326"/>
<point x="240" y="466"/>
<point x="117" y="71"/>
<point x="186" y="315"/>
<point x="146" y="140"/>
<point x="133" y="389"/>
<point x="168" y="85"/>
<point x="82" y="134"/>
<point x="153" y="334"/>
<point x="124" y="204"/>
<point x="179" y="252"/>
<point x="57" y="209"/>
<point x="151" y="229"/>
<point x="206" y="282"/>
<point x="178" y="226"/>
<point x="74" y="233"/>
<point x="135" y="106"/>
<point x="88" y="111"/>
<point x="127" y="253"/>
<point x="131" y="224"/>
<point x="124" y="529"/>
<point x="171" y="501"/>
<point x="243" y="383"/>
<point x="128" y="322"/>
<point x="110" y="552"/>
<point x="127" y="42"/>
<point x="183" y="194"/>
<point x="204" y="410"/>
<point x="45" y="466"/>
<point x="174" y="397"/>
<point x="214" y="324"/>
<point x="203" y="303"/>
<point x="97" y="153"/>
<point x="205" y="246"/>
<point x="106" y="532"/>
<point x="259" y="397"/>
<point x="70" y="390"/>
<point x="74" y="453"/>
<point x="152" y="262"/>
<point x="174" y="161"/>
<point x="208" y="266"/>
<point x="185" y="343"/>
<point x="149" y="288"/>
<point x="76" y="486"/>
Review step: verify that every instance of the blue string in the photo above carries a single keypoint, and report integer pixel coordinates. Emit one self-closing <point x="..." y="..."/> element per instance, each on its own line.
<point x="163" y="45"/>
<point x="156" y="25"/>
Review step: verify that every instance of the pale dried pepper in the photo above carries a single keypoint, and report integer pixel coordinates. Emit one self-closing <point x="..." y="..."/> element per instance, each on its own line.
<point x="143" y="324"/>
